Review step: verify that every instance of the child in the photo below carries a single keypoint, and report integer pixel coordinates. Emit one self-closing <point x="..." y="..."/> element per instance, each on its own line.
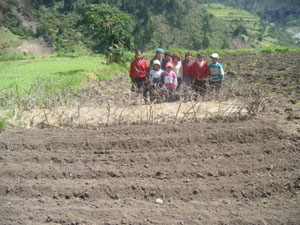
<point x="216" y="73"/>
<point x="169" y="81"/>
<point x="187" y="73"/>
<point x="177" y="68"/>
<point x="138" y="74"/>
<point x="200" y="73"/>
<point x="168" y="58"/>
<point x="158" y="56"/>
<point x="155" y="81"/>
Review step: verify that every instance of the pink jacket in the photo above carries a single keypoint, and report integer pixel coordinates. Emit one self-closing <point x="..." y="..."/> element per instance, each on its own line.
<point x="170" y="80"/>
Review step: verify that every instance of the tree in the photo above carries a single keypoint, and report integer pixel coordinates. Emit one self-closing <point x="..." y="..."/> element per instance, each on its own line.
<point x="108" y="24"/>
<point x="68" y="5"/>
<point x="206" y="28"/>
<point x="240" y="29"/>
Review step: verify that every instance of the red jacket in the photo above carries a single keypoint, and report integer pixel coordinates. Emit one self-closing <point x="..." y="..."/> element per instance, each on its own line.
<point x="138" y="69"/>
<point x="186" y="69"/>
<point x="200" y="73"/>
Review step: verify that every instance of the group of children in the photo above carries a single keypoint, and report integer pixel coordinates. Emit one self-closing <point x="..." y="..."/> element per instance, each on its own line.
<point x="167" y="73"/>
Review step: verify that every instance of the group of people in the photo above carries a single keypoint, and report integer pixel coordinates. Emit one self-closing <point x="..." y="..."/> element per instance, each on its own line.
<point x="166" y="73"/>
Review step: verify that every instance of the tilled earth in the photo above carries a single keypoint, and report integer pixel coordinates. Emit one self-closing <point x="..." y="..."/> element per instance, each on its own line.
<point x="209" y="173"/>
<point x="218" y="171"/>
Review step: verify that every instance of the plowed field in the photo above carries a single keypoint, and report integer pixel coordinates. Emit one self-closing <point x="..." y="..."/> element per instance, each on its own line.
<point x="243" y="172"/>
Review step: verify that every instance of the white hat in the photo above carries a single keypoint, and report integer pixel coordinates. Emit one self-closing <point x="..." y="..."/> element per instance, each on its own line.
<point x="157" y="62"/>
<point x="215" y="56"/>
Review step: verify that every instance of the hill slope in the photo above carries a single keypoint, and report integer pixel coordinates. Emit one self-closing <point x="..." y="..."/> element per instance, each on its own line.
<point x="285" y="14"/>
<point x="176" y="24"/>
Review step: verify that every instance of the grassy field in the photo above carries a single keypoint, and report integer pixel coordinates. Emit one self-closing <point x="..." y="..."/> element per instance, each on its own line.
<point x="54" y="72"/>
<point x="37" y="80"/>
<point x="227" y="14"/>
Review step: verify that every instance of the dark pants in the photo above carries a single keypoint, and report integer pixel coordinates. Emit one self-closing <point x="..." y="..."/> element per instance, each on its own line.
<point x="170" y="95"/>
<point x="155" y="93"/>
<point x="215" y="85"/>
<point x="140" y="85"/>
<point x="179" y="81"/>
<point x="199" y="87"/>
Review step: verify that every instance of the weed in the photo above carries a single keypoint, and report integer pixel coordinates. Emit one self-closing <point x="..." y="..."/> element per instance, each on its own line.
<point x="263" y="200"/>
<point x="3" y="123"/>
<point x="272" y="94"/>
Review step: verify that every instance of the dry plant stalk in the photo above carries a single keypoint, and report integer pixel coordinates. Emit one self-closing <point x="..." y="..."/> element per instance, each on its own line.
<point x="177" y="112"/>
<point x="120" y="103"/>
<point x="46" y="117"/>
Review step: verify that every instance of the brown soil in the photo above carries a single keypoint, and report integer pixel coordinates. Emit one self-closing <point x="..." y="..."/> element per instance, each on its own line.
<point x="243" y="171"/>
<point x="208" y="173"/>
<point x="34" y="47"/>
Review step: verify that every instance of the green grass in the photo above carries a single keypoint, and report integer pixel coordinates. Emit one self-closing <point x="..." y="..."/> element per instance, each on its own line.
<point x="39" y="79"/>
<point x="109" y="71"/>
<point x="227" y="14"/>
<point x="3" y="123"/>
<point x="280" y="49"/>
<point x="6" y="36"/>
<point x="56" y="71"/>
<point x="15" y="57"/>
<point x="8" y="41"/>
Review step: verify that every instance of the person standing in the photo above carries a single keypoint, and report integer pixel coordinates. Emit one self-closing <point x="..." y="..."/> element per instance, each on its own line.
<point x="177" y="68"/>
<point x="216" y="73"/>
<point x="200" y="73"/>
<point x="168" y="58"/>
<point x="159" y="55"/>
<point x="169" y="81"/>
<point x="138" y="74"/>
<point x="187" y="74"/>
<point x="155" y="82"/>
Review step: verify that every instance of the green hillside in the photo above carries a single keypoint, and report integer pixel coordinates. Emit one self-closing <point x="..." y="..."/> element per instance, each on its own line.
<point x="243" y="23"/>
<point x="185" y="24"/>
<point x="284" y="14"/>
<point x="279" y="11"/>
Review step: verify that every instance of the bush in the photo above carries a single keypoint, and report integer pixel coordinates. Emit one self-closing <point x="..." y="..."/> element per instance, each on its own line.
<point x="66" y="55"/>
<point x="268" y="50"/>
<point x="15" y="57"/>
<point x="282" y="48"/>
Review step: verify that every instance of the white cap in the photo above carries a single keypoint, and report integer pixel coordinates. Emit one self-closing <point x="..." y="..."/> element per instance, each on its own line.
<point x="215" y="56"/>
<point x="157" y="62"/>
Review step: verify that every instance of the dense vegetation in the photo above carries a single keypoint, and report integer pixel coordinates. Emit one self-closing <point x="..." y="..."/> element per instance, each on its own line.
<point x="189" y="24"/>
<point x="276" y="11"/>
